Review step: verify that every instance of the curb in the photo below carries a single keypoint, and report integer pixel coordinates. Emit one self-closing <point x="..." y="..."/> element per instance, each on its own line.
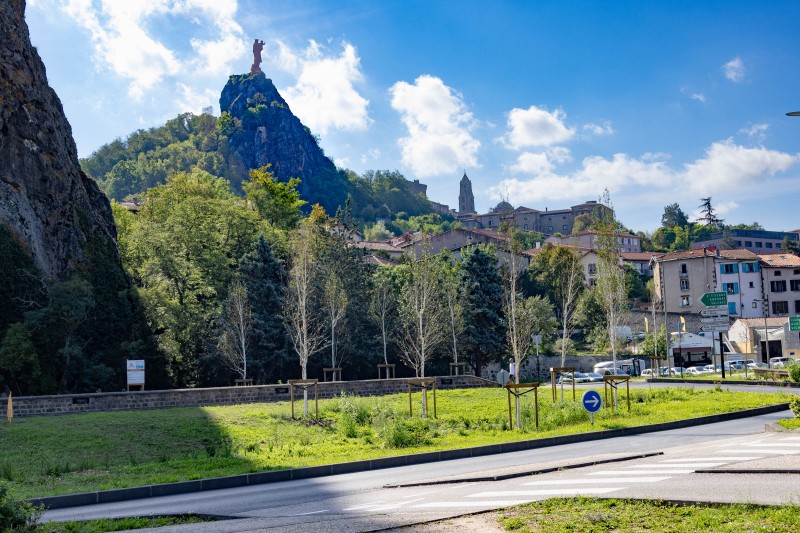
<point x="258" y="478"/>
<point x="762" y="383"/>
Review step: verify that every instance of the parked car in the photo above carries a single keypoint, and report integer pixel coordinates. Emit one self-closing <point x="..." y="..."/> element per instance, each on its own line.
<point x="594" y="376"/>
<point x="713" y="368"/>
<point x="648" y="373"/>
<point x="580" y="377"/>
<point x="780" y="362"/>
<point x="733" y="366"/>
<point x="754" y="365"/>
<point x="697" y="370"/>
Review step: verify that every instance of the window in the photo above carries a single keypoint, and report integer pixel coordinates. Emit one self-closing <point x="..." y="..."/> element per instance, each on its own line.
<point x="686" y="301"/>
<point x="797" y="306"/>
<point x="780" y="308"/>
<point x="749" y="267"/>
<point x="525" y="226"/>
<point x="592" y="282"/>
<point x="797" y="272"/>
<point x="592" y="268"/>
<point x="777" y="273"/>
<point x="795" y="284"/>
<point x="732" y="308"/>
<point x="778" y="286"/>
<point x="683" y="268"/>
<point x="751" y="285"/>
<point x="564" y="227"/>
<point x="748" y="244"/>
<point x="769" y="244"/>
<point x="738" y="243"/>
<point x="759" y="244"/>
<point x="549" y="228"/>
<point x="732" y="268"/>
<point x="755" y="304"/>
<point x="730" y="288"/>
<point x="684" y="284"/>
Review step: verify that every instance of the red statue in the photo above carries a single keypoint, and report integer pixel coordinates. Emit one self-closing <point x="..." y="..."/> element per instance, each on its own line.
<point x="258" y="46"/>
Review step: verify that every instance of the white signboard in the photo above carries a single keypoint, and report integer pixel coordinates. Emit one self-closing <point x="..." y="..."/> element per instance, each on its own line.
<point x="135" y="372"/>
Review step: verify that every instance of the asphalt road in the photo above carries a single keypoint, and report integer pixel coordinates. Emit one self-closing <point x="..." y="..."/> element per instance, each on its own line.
<point x="361" y="502"/>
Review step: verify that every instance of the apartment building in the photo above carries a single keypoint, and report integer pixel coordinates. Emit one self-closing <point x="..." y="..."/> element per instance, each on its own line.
<point x="781" y="284"/>
<point x="683" y="277"/>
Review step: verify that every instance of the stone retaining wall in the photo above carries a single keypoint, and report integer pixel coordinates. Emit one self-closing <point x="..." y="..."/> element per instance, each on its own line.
<point x="161" y="399"/>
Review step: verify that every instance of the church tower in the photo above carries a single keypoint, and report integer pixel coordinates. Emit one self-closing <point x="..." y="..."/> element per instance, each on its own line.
<point x="466" y="201"/>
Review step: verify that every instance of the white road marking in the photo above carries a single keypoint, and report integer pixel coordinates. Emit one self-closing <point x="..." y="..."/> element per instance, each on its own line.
<point x="545" y="492"/>
<point x="677" y="465"/>
<point x="778" y="452"/>
<point x="394" y="505"/>
<point x="654" y="471"/>
<point x="312" y="512"/>
<point x="722" y="458"/>
<point x="362" y="506"/>
<point x="490" y="503"/>
<point x="772" y="444"/>
<point x="597" y="481"/>
<point x="421" y="494"/>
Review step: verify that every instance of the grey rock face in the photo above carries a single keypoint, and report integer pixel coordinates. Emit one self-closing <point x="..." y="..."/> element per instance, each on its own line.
<point x="269" y="133"/>
<point x="46" y="201"/>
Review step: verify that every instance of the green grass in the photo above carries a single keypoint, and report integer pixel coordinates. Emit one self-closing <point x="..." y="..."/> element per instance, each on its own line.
<point x="116" y="524"/>
<point x="602" y="516"/>
<point x="43" y="456"/>
<point x="790" y="423"/>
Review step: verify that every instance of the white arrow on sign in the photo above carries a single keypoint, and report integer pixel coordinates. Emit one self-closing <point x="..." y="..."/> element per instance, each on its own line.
<point x="715" y="320"/>
<point x="715" y="327"/>
<point x="593" y="401"/>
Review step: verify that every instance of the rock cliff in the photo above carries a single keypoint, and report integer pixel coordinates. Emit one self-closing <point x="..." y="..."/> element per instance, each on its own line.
<point x="263" y="130"/>
<point x="49" y="205"/>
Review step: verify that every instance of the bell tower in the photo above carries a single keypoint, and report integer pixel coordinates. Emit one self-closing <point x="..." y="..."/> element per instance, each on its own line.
<point x="466" y="201"/>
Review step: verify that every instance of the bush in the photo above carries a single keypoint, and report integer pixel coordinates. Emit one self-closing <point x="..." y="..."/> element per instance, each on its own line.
<point x="794" y="405"/>
<point x="407" y="433"/>
<point x="794" y="372"/>
<point x="16" y="515"/>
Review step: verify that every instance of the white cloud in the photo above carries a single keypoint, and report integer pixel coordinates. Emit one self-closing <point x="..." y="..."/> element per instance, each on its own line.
<point x="734" y="70"/>
<point x="599" y="129"/>
<point x="373" y="154"/>
<point x="725" y="169"/>
<point x="125" y="44"/>
<point x="439" y="127"/>
<point x="757" y="132"/>
<point x="195" y="100"/>
<point x="700" y="97"/>
<point x="324" y="97"/>
<point x="536" y="126"/>
<point x="532" y="163"/>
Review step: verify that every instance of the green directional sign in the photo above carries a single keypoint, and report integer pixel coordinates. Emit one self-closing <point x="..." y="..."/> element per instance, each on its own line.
<point x="794" y="323"/>
<point x="714" y="298"/>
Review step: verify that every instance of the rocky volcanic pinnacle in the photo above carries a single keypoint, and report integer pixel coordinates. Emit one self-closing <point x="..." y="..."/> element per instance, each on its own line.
<point x="268" y="132"/>
<point x="46" y="201"/>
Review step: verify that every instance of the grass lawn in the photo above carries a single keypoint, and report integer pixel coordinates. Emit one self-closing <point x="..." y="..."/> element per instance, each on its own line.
<point x="790" y="423"/>
<point x="43" y="456"/>
<point x="596" y="516"/>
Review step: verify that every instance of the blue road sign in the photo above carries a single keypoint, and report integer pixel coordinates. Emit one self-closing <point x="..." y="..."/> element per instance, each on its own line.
<point x="591" y="401"/>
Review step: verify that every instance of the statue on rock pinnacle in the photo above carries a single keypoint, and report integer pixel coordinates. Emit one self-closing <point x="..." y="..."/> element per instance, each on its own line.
<point x="258" y="46"/>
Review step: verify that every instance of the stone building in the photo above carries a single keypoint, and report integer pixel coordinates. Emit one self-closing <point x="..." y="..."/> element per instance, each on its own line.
<point x="466" y="200"/>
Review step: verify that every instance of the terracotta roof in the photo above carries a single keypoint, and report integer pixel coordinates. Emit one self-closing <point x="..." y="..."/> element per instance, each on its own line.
<point x="593" y="232"/>
<point x="380" y="261"/>
<point x="583" y="251"/>
<point x="702" y="252"/>
<point x="772" y="322"/>
<point x="639" y="256"/>
<point x="381" y="246"/>
<point x="780" y="260"/>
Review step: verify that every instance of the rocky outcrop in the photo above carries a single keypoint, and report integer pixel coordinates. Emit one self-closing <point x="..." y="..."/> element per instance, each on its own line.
<point x="265" y="131"/>
<point x="46" y="201"/>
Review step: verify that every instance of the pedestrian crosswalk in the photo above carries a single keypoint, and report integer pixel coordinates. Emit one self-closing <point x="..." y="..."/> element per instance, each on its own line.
<point x="600" y="480"/>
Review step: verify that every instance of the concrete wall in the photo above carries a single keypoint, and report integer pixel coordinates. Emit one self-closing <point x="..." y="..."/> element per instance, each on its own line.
<point x="161" y="399"/>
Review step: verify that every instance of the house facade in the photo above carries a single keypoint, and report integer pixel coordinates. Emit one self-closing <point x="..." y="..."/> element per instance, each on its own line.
<point x="781" y="284"/>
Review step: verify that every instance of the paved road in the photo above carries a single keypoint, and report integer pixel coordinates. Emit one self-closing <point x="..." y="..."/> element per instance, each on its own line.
<point x="359" y="502"/>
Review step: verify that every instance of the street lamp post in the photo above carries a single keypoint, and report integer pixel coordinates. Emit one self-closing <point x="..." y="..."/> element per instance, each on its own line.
<point x="537" y="338"/>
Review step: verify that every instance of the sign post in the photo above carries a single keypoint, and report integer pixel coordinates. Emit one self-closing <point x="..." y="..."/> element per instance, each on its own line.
<point x="715" y="319"/>
<point x="135" y="373"/>
<point x="592" y="402"/>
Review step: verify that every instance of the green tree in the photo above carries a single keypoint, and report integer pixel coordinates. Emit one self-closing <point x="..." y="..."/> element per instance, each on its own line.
<point x="264" y="276"/>
<point x="483" y="340"/>
<point x="183" y="250"/>
<point x="708" y="214"/>
<point x="19" y="361"/>
<point x="278" y="203"/>
<point x="378" y="232"/>
<point x="789" y="246"/>
<point x="558" y="269"/>
<point x="673" y="216"/>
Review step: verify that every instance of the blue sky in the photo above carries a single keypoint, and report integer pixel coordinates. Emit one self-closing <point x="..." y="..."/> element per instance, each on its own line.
<point x="544" y="103"/>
